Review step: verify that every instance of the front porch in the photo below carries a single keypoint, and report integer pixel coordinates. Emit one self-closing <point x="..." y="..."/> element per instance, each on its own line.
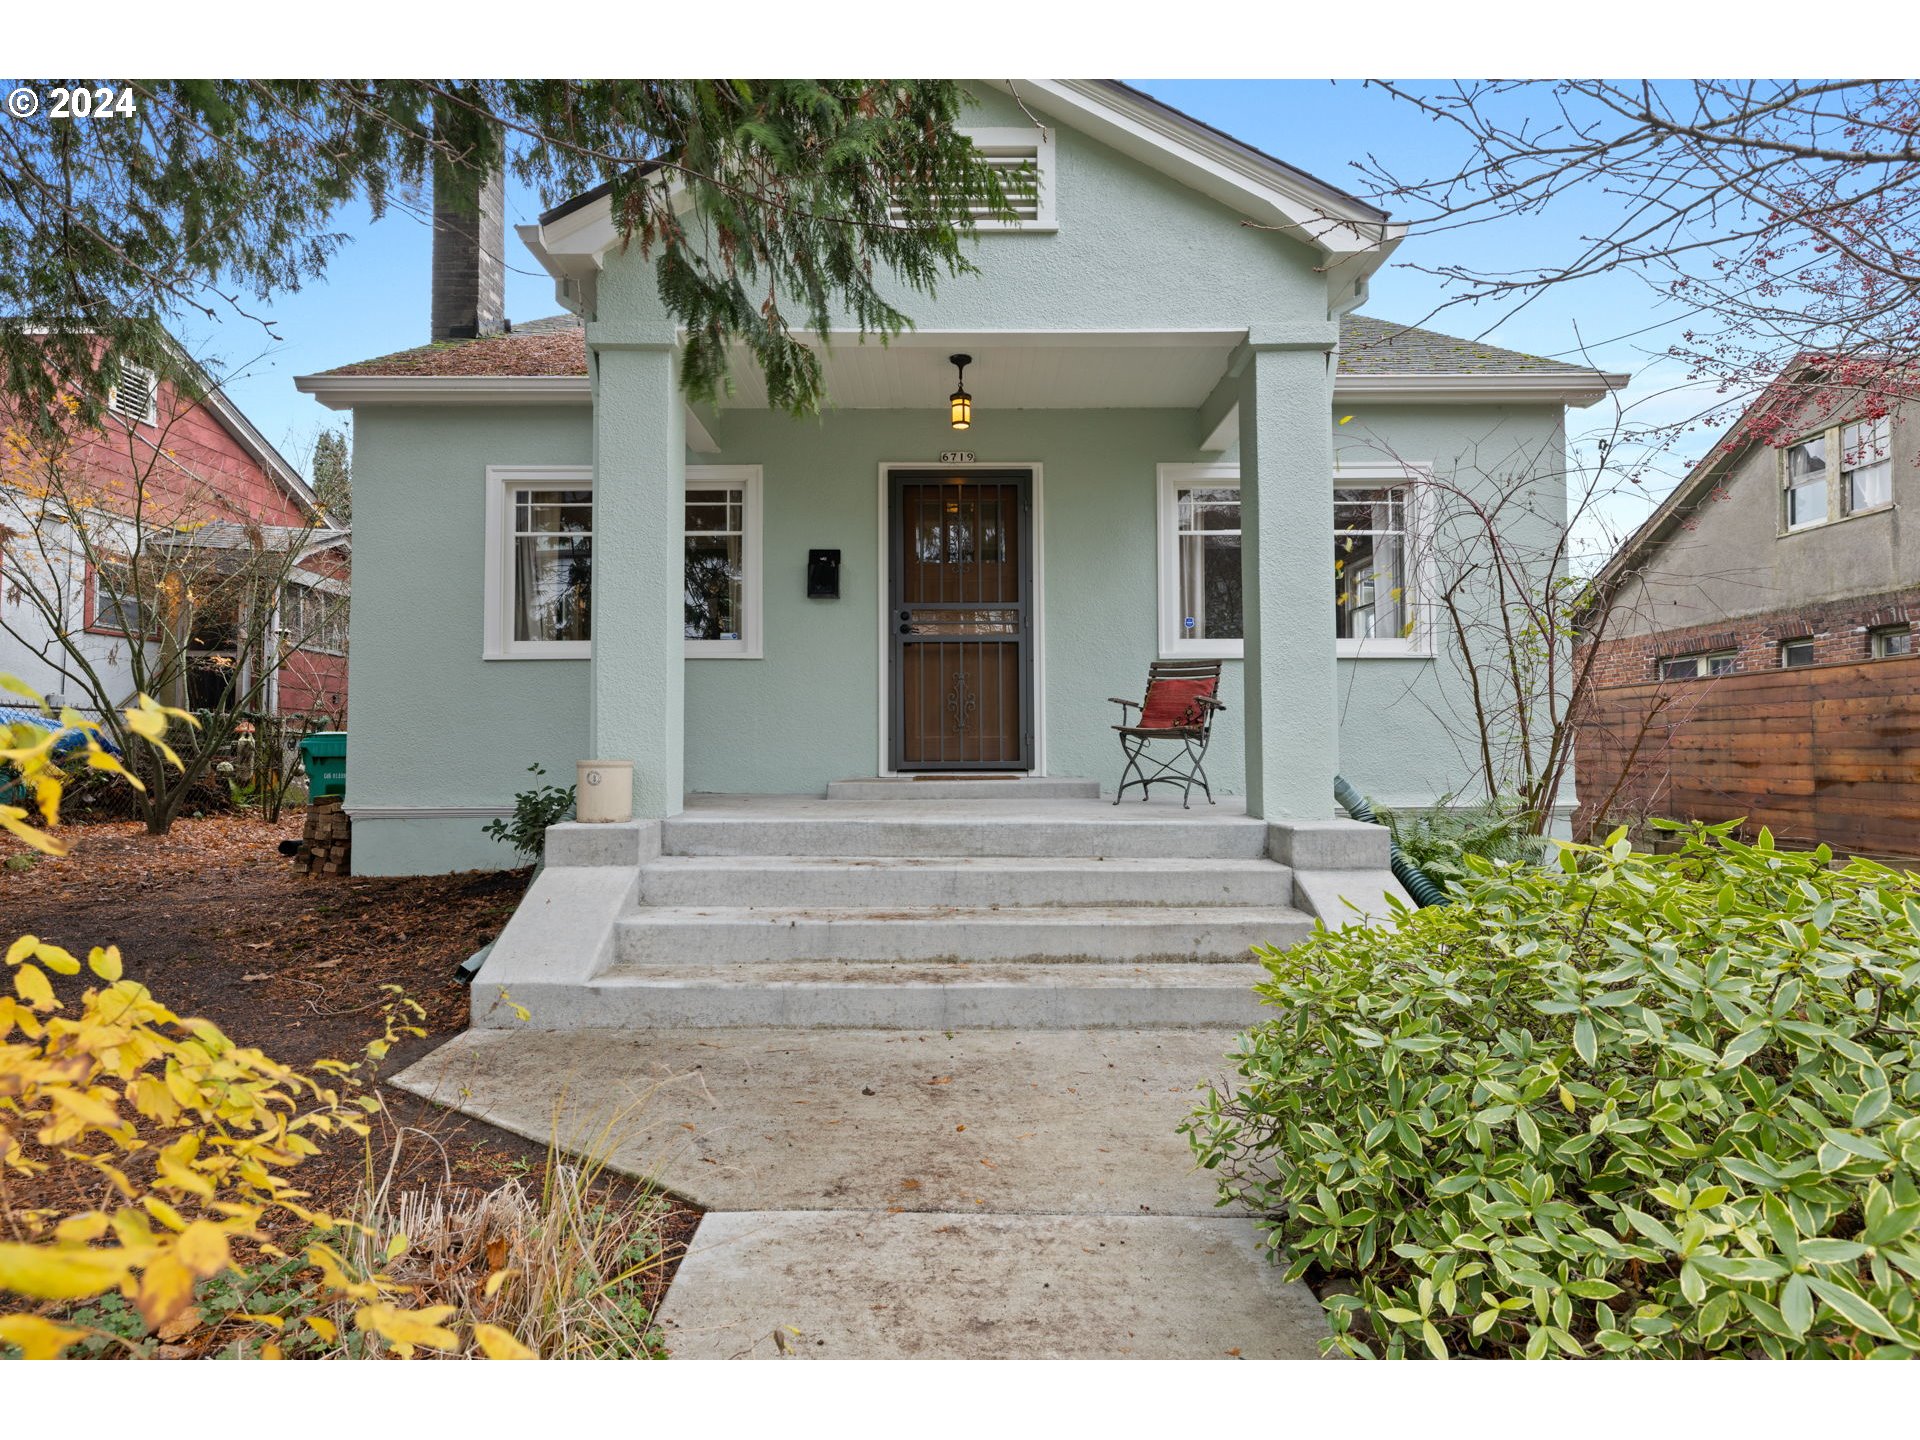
<point x="982" y="603"/>
<point x="853" y="912"/>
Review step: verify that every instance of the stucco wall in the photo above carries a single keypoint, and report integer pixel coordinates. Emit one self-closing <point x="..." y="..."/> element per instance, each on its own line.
<point x="1407" y="732"/>
<point x="1729" y="558"/>
<point x="435" y="726"/>
<point x="1133" y="251"/>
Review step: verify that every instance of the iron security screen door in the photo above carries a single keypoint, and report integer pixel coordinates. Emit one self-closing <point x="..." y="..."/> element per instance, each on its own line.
<point x="961" y="615"/>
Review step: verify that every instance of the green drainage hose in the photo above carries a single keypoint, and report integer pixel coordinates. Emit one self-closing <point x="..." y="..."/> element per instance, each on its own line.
<point x="1419" y="884"/>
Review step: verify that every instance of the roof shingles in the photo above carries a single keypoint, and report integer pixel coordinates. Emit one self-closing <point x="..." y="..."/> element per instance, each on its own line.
<point x="556" y="345"/>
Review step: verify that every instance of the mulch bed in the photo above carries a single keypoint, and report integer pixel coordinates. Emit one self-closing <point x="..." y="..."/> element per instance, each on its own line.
<point x="213" y="920"/>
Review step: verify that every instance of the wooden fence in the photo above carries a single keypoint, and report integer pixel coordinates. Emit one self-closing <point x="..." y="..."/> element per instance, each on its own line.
<point x="1824" y="752"/>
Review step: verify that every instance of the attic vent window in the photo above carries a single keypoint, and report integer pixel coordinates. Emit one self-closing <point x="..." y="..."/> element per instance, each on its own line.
<point x="134" y="395"/>
<point x="1024" y="160"/>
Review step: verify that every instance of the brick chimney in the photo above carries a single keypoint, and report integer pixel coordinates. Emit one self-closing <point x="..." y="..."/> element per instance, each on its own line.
<point x="469" y="253"/>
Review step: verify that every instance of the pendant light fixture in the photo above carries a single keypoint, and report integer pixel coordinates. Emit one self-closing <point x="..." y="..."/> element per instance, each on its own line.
<point x="960" y="403"/>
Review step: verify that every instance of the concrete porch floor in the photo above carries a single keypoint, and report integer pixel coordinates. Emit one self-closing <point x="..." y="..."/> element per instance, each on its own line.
<point x="1009" y="1194"/>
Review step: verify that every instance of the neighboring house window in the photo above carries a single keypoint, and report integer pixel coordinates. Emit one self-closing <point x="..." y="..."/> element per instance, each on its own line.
<point x="313" y="618"/>
<point x="1373" y="563"/>
<point x="1795" y="653"/>
<point x="135" y="395"/>
<point x="539" y="575"/>
<point x="1892" y="641"/>
<point x="1807" y="483"/>
<point x="1201" y="609"/>
<point x="723" y="562"/>
<point x="1844" y="470"/>
<point x="114" y="605"/>
<point x="1692" y="667"/>
<point x="1866" y="464"/>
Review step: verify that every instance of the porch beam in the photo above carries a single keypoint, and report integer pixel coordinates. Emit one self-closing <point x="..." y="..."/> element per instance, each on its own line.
<point x="1217" y="421"/>
<point x="638" y="708"/>
<point x="1286" y="477"/>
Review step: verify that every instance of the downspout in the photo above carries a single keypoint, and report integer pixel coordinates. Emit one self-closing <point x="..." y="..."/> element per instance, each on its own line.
<point x="1419" y="884"/>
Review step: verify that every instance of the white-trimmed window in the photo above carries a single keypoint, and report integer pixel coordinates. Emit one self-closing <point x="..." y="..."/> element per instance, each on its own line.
<point x="1866" y="464"/>
<point x="135" y="396"/>
<point x="1201" y="610"/>
<point x="1374" y="565"/>
<point x="1795" y="653"/>
<point x="723" y="569"/>
<point x="539" y="562"/>
<point x="1693" y="667"/>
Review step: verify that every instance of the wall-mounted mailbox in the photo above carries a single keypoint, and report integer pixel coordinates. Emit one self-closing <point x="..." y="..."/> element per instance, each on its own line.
<point x="823" y="574"/>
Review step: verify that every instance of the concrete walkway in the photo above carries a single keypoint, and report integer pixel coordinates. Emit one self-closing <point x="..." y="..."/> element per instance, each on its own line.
<point x="1010" y="1194"/>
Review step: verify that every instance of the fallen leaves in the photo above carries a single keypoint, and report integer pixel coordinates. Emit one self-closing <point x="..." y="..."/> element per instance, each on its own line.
<point x="941" y="1080"/>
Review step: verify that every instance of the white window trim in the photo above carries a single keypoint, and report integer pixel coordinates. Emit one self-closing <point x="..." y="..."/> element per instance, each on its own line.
<point x="315" y="585"/>
<point x="1417" y="480"/>
<point x="747" y="478"/>
<point x="1172" y="480"/>
<point x="1877" y="641"/>
<point x="1020" y="136"/>
<point x="497" y="642"/>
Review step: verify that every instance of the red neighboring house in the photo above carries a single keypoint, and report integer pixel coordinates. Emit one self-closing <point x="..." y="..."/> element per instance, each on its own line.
<point x="204" y="465"/>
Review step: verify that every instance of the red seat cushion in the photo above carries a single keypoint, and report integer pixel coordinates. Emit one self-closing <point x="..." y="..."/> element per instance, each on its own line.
<point x="1171" y="704"/>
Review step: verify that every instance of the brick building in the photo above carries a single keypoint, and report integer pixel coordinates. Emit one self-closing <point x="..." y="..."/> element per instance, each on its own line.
<point x="1792" y="549"/>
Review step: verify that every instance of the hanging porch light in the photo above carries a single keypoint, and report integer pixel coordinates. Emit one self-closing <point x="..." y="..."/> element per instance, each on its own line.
<point x="960" y="403"/>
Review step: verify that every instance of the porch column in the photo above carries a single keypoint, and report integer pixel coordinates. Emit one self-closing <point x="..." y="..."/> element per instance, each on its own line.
<point x="638" y="710"/>
<point x="1286" y="526"/>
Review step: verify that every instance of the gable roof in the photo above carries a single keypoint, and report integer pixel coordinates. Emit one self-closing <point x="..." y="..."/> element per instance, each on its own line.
<point x="1810" y="372"/>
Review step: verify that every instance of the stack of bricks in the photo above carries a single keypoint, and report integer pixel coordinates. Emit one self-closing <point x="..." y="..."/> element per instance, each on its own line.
<point x="326" y="846"/>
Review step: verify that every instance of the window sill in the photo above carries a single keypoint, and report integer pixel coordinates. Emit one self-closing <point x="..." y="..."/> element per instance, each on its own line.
<point x="1380" y="650"/>
<point x="1812" y="526"/>
<point x="1202" y="650"/>
<point x="721" y="650"/>
<point x="567" y="652"/>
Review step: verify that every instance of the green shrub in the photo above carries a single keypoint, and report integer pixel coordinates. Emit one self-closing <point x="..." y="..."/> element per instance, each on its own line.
<point x="1622" y="1105"/>
<point x="533" y="811"/>
<point x="1439" y="838"/>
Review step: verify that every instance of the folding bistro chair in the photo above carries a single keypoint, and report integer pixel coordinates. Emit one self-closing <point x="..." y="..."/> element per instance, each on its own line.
<point x="1179" y="706"/>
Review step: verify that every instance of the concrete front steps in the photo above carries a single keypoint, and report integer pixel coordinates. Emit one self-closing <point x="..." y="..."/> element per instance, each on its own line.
<point x="891" y="905"/>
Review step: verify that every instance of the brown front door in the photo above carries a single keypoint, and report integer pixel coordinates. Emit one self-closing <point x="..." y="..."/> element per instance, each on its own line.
<point x="962" y="619"/>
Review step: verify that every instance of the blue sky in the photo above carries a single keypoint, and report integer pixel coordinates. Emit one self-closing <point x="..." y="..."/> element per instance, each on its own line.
<point x="373" y="298"/>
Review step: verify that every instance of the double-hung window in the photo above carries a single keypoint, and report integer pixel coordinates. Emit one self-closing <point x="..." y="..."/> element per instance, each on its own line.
<point x="1840" y="471"/>
<point x="1866" y="464"/>
<point x="1807" y="482"/>
<point x="1372" y="566"/>
<point x="539" y="562"/>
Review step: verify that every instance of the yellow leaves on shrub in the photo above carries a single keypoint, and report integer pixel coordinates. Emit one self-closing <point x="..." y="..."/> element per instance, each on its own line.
<point x="498" y="1344"/>
<point x="406" y="1329"/>
<point x="38" y="1339"/>
<point x="60" y="1271"/>
<point x="82" y="1080"/>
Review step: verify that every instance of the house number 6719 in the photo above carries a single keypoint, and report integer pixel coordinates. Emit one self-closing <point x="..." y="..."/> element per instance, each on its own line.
<point x="956" y="457"/>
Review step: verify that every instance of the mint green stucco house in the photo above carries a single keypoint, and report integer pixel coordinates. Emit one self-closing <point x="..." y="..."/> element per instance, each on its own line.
<point x="1163" y="356"/>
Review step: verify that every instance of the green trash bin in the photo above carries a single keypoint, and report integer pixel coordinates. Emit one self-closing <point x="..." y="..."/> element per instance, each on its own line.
<point x="324" y="753"/>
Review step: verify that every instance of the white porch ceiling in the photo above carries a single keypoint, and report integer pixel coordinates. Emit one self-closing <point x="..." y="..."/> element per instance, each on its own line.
<point x="1040" y="372"/>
